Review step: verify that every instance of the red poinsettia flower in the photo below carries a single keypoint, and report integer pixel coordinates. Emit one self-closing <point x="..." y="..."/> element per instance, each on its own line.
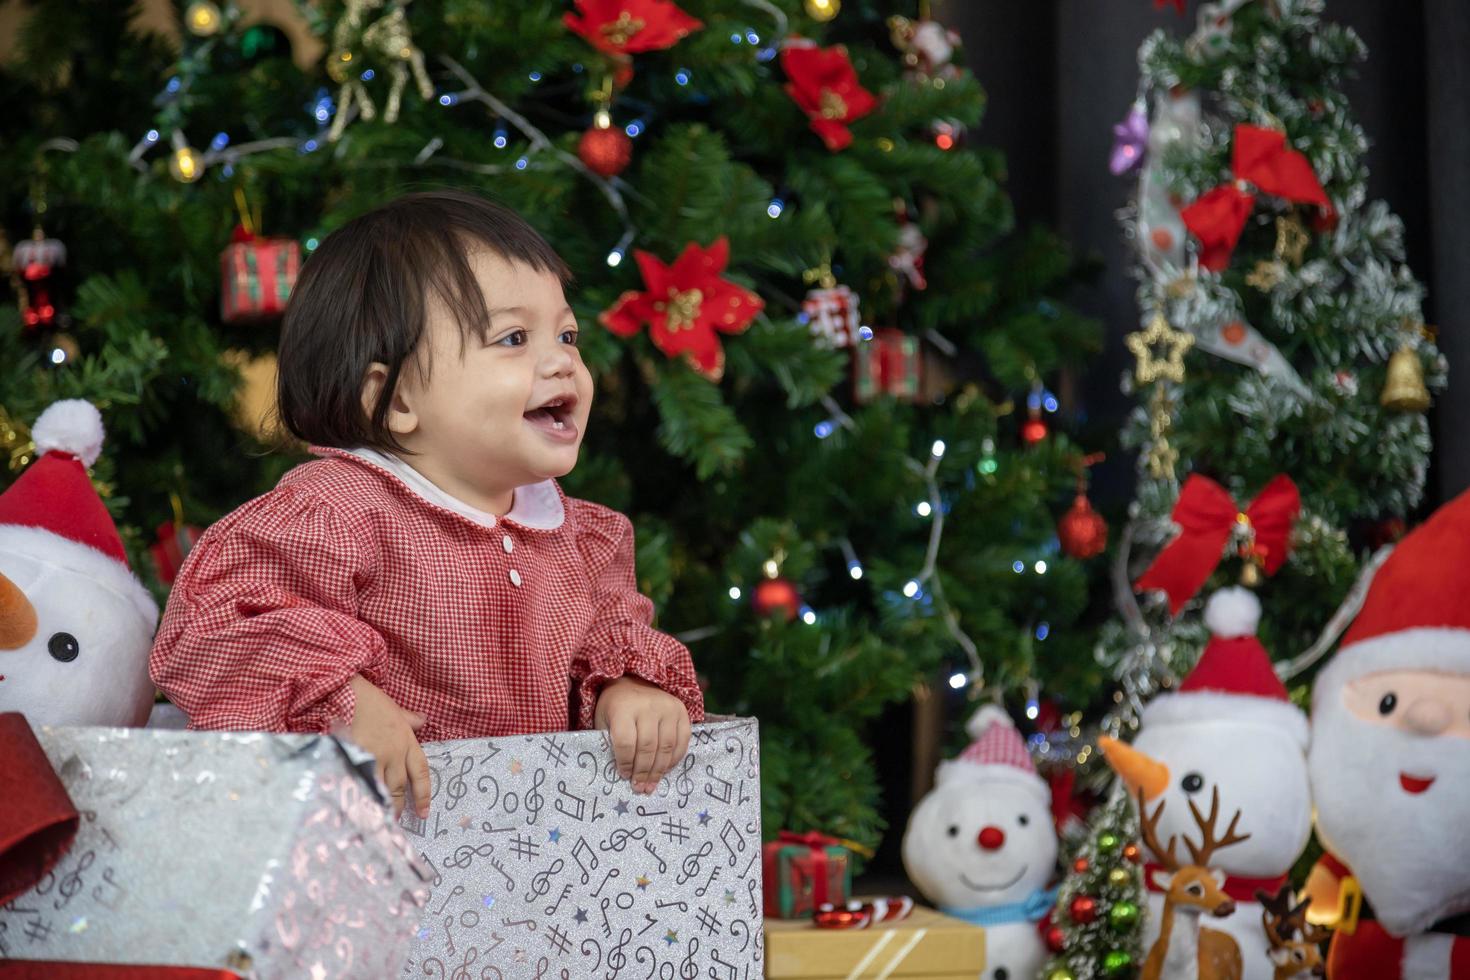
<point x="685" y="305"/>
<point x="624" y="27"/>
<point x="826" y="87"/>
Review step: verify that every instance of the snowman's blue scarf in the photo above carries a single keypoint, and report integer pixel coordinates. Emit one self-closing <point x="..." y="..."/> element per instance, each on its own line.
<point x="1031" y="909"/>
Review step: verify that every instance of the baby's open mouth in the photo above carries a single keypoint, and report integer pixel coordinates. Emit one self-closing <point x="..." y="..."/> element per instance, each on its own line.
<point x="554" y="415"/>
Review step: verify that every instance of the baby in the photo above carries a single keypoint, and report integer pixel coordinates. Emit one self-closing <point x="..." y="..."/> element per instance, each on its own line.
<point x="426" y="578"/>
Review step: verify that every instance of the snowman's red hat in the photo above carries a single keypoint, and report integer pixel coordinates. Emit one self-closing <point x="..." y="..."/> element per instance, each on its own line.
<point x="997" y="752"/>
<point x="1234" y="680"/>
<point x="1417" y="613"/>
<point x="53" y="514"/>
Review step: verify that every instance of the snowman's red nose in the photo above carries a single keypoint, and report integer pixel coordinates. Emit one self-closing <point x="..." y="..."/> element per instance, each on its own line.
<point x="992" y="838"/>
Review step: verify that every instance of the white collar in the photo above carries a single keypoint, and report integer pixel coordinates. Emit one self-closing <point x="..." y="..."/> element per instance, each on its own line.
<point x="536" y="505"/>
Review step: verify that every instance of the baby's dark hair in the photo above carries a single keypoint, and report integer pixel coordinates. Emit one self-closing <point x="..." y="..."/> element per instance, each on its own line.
<point x="363" y="296"/>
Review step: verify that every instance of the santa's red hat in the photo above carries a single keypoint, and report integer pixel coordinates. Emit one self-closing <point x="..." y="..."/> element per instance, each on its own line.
<point x="1234" y="680"/>
<point x="1417" y="612"/>
<point x="996" y="752"/>
<point x="53" y="514"/>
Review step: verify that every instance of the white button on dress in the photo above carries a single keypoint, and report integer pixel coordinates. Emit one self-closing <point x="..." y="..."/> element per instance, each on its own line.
<point x="515" y="577"/>
<point x="508" y="544"/>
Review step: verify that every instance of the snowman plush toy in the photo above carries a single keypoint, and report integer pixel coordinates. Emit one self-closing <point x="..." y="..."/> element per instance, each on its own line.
<point x="1229" y="725"/>
<point x="75" y="625"/>
<point x="982" y="847"/>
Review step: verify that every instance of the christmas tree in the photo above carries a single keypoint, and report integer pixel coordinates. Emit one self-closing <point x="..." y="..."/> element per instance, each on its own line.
<point x="849" y="488"/>
<point x="1283" y="367"/>
<point x="1095" y="929"/>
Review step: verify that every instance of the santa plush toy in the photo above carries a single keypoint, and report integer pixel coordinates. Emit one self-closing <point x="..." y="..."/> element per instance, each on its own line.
<point x="1390" y="767"/>
<point x="75" y="625"/>
<point x="1229" y="725"/>
<point x="981" y="845"/>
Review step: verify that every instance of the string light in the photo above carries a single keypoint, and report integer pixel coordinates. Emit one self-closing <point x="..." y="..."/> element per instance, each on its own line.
<point x="634" y="128"/>
<point x="737" y="38"/>
<point x="58" y="356"/>
<point x="855" y="569"/>
<point x="1043" y="630"/>
<point x="937" y="450"/>
<point x="522" y="163"/>
<point x="1033" y="710"/>
<point x="752" y="37"/>
<point x="957" y="680"/>
<point x="682" y="76"/>
<point x="808" y="616"/>
<point x="1018" y="566"/>
<point x="615" y="258"/>
<point x="775" y="208"/>
<point x="865" y="332"/>
<point x="220" y="141"/>
<point x="535" y="76"/>
<point x="1040" y="568"/>
<point x="368" y="75"/>
<point x="911" y="588"/>
<point x="824" y="428"/>
<point x="735" y="592"/>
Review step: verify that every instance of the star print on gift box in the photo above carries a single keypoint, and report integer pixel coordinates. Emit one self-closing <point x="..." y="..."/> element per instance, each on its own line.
<point x="1160" y="351"/>
<point x="686" y="306"/>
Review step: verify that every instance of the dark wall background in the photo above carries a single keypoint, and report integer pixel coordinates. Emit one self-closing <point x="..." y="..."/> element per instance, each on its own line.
<point x="1060" y="73"/>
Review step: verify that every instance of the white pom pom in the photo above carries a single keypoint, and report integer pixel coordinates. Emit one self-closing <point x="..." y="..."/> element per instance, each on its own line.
<point x="1233" y="612"/>
<point x="72" y="426"/>
<point x="989" y="714"/>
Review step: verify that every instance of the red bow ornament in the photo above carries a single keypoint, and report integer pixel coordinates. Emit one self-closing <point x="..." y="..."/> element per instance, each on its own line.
<point x="1260" y="161"/>
<point x="686" y="306"/>
<point x="826" y="87"/>
<point x="1207" y="519"/>
<point x="626" y="27"/>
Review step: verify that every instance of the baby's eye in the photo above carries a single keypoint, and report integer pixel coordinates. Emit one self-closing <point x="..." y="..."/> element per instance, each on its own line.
<point x="516" y="338"/>
<point x="569" y="337"/>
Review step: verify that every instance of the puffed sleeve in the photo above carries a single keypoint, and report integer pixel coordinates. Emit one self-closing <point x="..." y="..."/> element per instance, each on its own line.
<point x="621" y="640"/>
<point x="261" y="631"/>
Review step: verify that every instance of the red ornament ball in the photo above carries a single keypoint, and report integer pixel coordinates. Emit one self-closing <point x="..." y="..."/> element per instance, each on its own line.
<point x="1082" y="531"/>
<point x="1033" y="431"/>
<point x="776" y="595"/>
<point x="606" y="150"/>
<point x="1055" y="941"/>
<point x="1132" y="853"/>
<point x="1080" y="866"/>
<point x="1083" y="909"/>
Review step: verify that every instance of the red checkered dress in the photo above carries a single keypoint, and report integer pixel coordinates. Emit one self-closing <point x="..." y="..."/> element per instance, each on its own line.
<point x="344" y="569"/>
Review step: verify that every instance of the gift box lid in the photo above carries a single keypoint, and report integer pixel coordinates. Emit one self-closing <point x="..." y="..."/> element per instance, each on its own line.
<point x="926" y="944"/>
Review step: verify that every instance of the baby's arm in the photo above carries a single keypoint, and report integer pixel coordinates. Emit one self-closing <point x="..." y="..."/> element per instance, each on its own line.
<point x="261" y="631"/>
<point x="635" y="681"/>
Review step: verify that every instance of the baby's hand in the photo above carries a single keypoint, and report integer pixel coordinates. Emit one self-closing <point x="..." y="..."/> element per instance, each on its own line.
<point x="649" y="729"/>
<point x="387" y="731"/>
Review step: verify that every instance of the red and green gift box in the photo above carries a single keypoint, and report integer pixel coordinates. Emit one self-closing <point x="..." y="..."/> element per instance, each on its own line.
<point x="888" y="364"/>
<point x="256" y="276"/>
<point x="801" y="871"/>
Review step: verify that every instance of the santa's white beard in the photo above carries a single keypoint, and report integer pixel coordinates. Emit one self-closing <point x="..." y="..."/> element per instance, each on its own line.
<point x="1410" y="852"/>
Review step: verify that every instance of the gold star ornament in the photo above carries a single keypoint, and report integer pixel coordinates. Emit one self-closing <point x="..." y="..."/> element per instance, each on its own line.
<point x="1160" y="351"/>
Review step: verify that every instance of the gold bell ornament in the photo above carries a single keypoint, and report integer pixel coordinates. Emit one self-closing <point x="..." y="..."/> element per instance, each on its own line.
<point x="1404" y="391"/>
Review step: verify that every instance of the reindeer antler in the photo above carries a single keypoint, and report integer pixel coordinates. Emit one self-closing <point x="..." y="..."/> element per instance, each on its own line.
<point x="1149" y="831"/>
<point x="1284" y="920"/>
<point x="1208" y="843"/>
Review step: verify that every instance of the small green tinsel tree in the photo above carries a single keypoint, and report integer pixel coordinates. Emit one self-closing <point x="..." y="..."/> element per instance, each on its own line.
<point x="1101" y="939"/>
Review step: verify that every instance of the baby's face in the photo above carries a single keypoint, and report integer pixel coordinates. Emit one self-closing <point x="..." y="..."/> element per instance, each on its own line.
<point x="509" y="411"/>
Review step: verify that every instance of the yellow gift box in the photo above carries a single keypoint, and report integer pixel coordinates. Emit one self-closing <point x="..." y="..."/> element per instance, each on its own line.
<point x="926" y="944"/>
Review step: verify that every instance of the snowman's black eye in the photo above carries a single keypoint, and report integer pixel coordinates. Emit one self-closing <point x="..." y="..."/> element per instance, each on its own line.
<point x="1389" y="702"/>
<point x="1024" y="819"/>
<point x="1001" y="973"/>
<point x="1192" y="782"/>
<point x="64" y="647"/>
<point x="954" y="830"/>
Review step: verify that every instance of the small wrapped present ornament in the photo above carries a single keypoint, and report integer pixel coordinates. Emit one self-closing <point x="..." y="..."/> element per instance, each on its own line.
<point x="886" y="365"/>
<point x="256" y="276"/>
<point x="833" y="316"/>
<point x="546" y="864"/>
<point x="924" y="943"/>
<point x="803" y="871"/>
<point x="200" y="854"/>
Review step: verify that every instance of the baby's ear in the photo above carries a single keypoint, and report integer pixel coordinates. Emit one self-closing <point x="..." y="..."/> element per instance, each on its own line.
<point x="401" y="419"/>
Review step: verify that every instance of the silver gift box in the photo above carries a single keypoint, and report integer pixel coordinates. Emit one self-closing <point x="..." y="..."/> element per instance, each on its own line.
<point x="546" y="866"/>
<point x="268" y="855"/>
